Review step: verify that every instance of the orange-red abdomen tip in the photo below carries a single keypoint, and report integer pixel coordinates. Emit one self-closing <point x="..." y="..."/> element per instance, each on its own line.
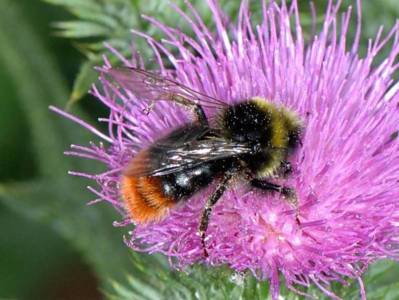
<point x="144" y="198"/>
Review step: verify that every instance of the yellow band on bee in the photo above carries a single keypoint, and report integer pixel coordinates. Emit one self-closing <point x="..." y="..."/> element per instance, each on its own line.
<point x="278" y="122"/>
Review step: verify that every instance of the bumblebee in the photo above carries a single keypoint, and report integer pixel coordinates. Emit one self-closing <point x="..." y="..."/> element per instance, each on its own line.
<point x="251" y="140"/>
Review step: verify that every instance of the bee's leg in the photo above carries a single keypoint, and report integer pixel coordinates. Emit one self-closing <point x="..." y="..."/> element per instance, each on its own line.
<point x="286" y="168"/>
<point x="201" y="117"/>
<point x="198" y="110"/>
<point x="288" y="193"/>
<point x="208" y="209"/>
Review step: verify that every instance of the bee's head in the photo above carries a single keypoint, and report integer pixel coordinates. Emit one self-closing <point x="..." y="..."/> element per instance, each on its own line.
<point x="261" y="124"/>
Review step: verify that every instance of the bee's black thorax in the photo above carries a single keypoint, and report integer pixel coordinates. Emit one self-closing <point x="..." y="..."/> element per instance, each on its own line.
<point x="247" y="122"/>
<point x="272" y="131"/>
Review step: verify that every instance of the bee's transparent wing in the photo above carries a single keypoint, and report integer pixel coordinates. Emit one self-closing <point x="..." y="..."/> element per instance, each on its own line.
<point x="168" y="159"/>
<point x="151" y="87"/>
<point x="183" y="158"/>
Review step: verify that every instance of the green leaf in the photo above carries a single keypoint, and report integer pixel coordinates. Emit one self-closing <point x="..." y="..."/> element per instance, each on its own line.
<point x="388" y="292"/>
<point x="89" y="229"/>
<point x="85" y="78"/>
<point x="53" y="197"/>
<point x="382" y="276"/>
<point x="153" y="279"/>
<point x="151" y="275"/>
<point x="24" y="264"/>
<point x="80" y="29"/>
<point x="15" y="154"/>
<point x="37" y="83"/>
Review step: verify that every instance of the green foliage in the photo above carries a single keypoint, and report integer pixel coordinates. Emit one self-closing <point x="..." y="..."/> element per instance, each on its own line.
<point x="151" y="278"/>
<point x="51" y="196"/>
<point x="160" y="282"/>
<point x="23" y="275"/>
<point x="97" y="22"/>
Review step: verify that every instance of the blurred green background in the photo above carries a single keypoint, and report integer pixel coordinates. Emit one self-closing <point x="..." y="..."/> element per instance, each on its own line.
<point x="52" y="245"/>
<point x="47" y="230"/>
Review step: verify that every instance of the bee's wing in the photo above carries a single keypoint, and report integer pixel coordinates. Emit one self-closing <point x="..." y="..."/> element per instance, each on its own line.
<point x="152" y="87"/>
<point x="171" y="159"/>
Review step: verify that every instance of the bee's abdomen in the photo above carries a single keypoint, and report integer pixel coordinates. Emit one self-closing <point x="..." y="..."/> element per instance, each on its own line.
<point x="144" y="198"/>
<point x="181" y="185"/>
<point x="149" y="197"/>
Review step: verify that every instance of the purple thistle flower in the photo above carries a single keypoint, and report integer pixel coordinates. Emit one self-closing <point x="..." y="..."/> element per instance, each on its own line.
<point x="345" y="172"/>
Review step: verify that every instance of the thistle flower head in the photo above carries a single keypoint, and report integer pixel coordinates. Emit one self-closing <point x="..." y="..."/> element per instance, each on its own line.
<point x="345" y="173"/>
